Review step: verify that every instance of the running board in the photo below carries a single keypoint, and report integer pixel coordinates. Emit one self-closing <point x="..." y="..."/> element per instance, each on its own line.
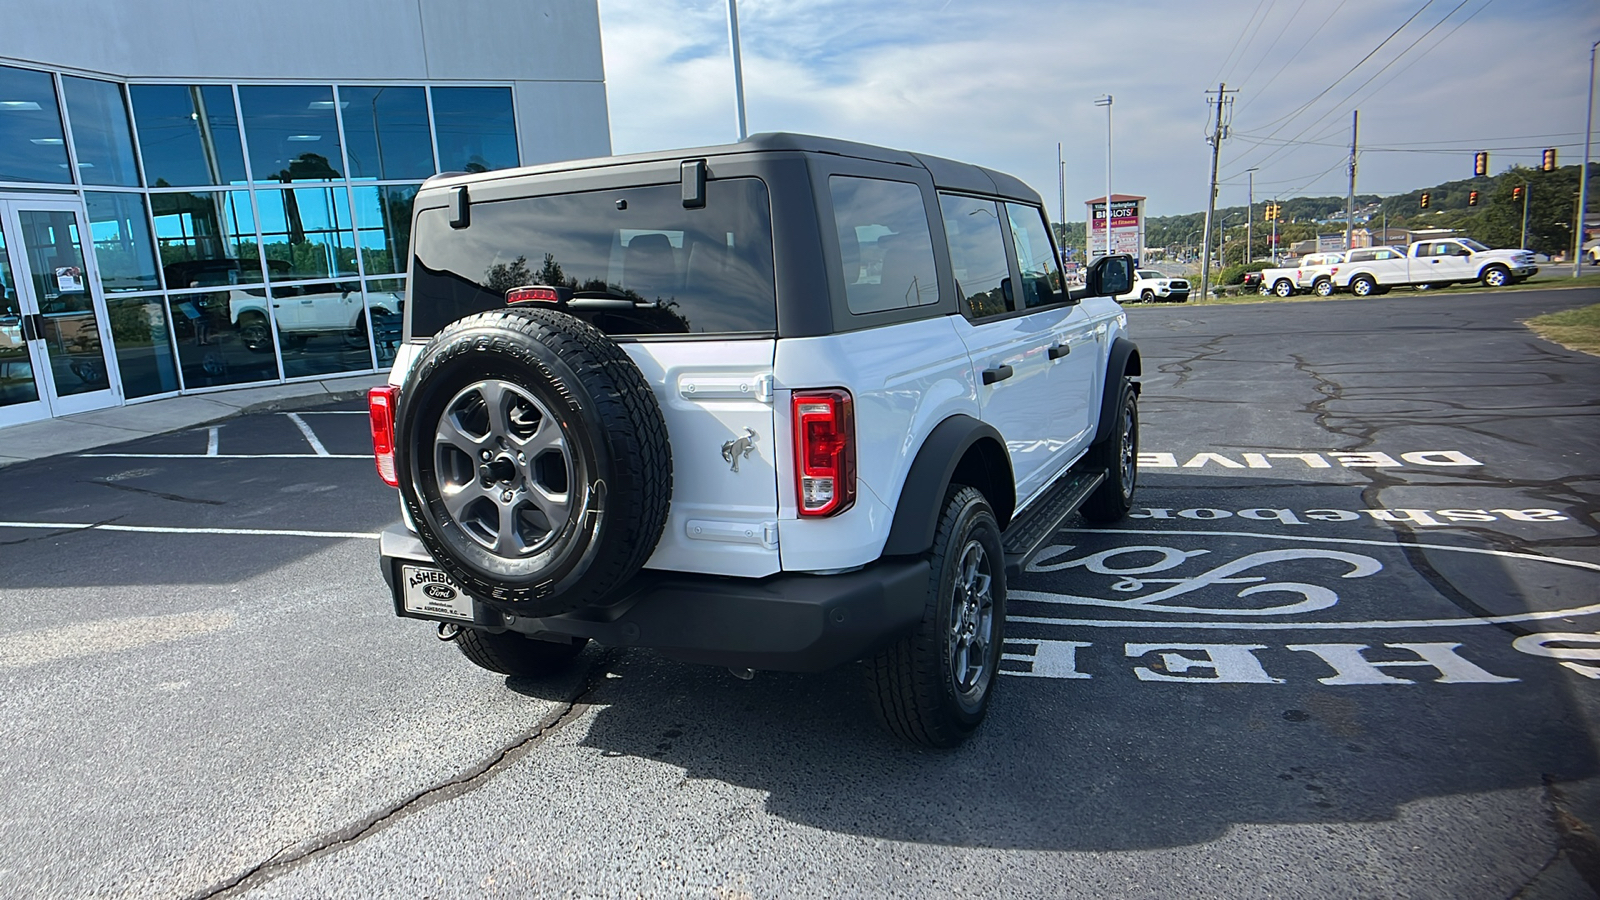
<point x="1027" y="534"/>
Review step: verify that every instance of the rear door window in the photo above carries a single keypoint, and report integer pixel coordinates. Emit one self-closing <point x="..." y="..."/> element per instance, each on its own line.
<point x="977" y="255"/>
<point x="885" y="248"/>
<point x="637" y="261"/>
<point x="1036" y="256"/>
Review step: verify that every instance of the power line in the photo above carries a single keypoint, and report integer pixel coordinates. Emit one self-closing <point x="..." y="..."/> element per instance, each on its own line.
<point x="1262" y="57"/>
<point x="1296" y="54"/>
<point x="1250" y="40"/>
<point x="1236" y="40"/>
<point x="1397" y="57"/>
<point x="1324" y="92"/>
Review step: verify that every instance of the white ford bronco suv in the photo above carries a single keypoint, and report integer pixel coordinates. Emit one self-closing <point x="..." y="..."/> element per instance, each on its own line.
<point x="783" y="404"/>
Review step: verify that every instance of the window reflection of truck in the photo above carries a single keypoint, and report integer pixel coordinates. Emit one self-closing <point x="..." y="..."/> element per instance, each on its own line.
<point x="304" y="311"/>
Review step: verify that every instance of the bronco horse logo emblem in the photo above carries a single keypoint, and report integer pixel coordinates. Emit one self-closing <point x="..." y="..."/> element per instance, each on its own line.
<point x="739" y="448"/>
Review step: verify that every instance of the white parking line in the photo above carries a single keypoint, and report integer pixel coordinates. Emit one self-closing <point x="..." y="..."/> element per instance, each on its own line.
<point x="311" y="436"/>
<point x="168" y="529"/>
<point x="334" y="412"/>
<point x="211" y="441"/>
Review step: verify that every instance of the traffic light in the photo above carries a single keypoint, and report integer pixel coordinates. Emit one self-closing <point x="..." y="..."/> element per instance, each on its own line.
<point x="1516" y="194"/>
<point x="1472" y="198"/>
<point x="1480" y="163"/>
<point x="1272" y="211"/>
<point x="1425" y="199"/>
<point x="1549" y="164"/>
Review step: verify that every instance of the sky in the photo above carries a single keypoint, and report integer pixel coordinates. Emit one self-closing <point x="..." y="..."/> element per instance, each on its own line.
<point x="1001" y="82"/>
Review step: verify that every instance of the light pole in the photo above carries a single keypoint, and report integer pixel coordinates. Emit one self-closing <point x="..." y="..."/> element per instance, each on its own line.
<point x="1250" y="218"/>
<point x="738" y="70"/>
<point x="1106" y="102"/>
<point x="1583" y="175"/>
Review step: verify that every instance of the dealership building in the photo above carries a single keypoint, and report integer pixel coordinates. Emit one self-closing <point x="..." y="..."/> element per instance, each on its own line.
<point x="195" y="197"/>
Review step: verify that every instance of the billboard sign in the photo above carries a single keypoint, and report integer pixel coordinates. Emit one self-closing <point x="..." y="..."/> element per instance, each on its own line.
<point x="1127" y="227"/>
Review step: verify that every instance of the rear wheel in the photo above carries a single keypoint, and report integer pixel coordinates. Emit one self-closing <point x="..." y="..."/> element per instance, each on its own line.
<point x="933" y="686"/>
<point x="1284" y="288"/>
<point x="255" y="332"/>
<point x="1323" y="287"/>
<point x="1147" y="296"/>
<point x="1363" y="286"/>
<point x="511" y="653"/>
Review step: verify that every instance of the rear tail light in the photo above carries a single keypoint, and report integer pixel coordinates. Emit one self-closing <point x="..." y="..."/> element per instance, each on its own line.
<point x="380" y="408"/>
<point x="824" y="452"/>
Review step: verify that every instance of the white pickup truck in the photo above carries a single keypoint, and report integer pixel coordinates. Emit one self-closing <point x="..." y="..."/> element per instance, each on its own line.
<point x="1374" y="270"/>
<point x="1280" y="281"/>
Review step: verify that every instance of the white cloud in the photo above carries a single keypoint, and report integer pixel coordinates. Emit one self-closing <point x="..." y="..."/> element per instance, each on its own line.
<point x="1000" y="82"/>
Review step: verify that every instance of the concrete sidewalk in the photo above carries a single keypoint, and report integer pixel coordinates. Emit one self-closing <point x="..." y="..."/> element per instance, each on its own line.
<point x="103" y="427"/>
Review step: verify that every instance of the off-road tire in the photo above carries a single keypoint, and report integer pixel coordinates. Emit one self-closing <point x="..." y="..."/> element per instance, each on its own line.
<point x="618" y="478"/>
<point x="1147" y="296"/>
<point x="255" y="332"/>
<point x="511" y="653"/>
<point x="1118" y="455"/>
<point x="912" y="683"/>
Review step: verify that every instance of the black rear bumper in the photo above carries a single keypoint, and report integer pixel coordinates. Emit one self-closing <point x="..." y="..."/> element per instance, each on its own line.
<point x="793" y="622"/>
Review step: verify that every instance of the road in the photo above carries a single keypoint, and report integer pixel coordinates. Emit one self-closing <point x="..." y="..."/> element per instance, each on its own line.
<point x="1317" y="663"/>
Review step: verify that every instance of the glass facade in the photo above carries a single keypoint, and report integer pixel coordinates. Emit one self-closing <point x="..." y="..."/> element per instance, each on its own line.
<point x="242" y="233"/>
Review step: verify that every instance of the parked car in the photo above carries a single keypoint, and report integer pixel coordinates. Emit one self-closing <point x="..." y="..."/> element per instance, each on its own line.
<point x="304" y="311"/>
<point x="1315" y="272"/>
<point x="1150" y="286"/>
<point x="1375" y="270"/>
<point x="1279" y="281"/>
<point x="782" y="404"/>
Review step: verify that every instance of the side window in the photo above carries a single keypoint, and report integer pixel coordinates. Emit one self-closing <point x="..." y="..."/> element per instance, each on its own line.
<point x="1426" y="250"/>
<point x="977" y="254"/>
<point x="885" y="249"/>
<point x="1041" y="275"/>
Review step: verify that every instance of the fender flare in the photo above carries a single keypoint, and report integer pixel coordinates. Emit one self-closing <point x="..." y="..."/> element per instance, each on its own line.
<point x="1123" y="360"/>
<point x="916" y="515"/>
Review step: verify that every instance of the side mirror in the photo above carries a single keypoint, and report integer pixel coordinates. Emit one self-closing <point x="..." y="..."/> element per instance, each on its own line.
<point x="1463" y="252"/>
<point x="1108" y="276"/>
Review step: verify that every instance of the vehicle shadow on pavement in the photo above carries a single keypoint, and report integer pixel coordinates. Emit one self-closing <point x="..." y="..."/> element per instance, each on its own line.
<point x="1085" y="765"/>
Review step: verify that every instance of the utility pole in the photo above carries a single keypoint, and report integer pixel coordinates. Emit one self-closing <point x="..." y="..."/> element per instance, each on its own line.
<point x="1350" y="199"/>
<point x="1583" y="176"/>
<point x="1106" y="102"/>
<point x="1215" y="140"/>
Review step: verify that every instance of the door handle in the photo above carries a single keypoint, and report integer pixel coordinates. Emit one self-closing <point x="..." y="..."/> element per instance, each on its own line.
<point x="998" y="373"/>
<point x="32" y="327"/>
<point x="1059" y="350"/>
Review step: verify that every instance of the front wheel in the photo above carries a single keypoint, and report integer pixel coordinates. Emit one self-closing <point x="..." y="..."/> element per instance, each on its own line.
<point x="1496" y="276"/>
<point x="1323" y="288"/>
<point x="933" y="686"/>
<point x="1147" y="296"/>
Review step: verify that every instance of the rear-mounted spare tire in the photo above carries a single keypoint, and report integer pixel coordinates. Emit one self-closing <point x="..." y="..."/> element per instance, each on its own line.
<point x="533" y="460"/>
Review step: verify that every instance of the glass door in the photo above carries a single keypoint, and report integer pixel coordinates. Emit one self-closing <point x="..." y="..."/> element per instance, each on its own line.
<point x="52" y="319"/>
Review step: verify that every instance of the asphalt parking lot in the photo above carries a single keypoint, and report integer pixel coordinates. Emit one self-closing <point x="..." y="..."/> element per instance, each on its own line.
<point x="1349" y="646"/>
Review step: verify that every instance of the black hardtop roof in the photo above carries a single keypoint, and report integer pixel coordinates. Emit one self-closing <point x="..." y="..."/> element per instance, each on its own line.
<point x="947" y="173"/>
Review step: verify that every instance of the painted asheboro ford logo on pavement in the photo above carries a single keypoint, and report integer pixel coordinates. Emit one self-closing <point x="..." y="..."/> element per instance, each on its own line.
<point x="1347" y="598"/>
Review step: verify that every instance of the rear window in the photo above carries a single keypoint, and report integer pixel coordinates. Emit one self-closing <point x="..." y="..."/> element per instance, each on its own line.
<point x="647" y="265"/>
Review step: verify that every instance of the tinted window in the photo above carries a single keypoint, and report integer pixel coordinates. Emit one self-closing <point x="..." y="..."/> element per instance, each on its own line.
<point x="100" y="132"/>
<point x="122" y="244"/>
<point x="476" y="128"/>
<point x="292" y="132"/>
<point x="188" y="134"/>
<point x="1036" y="257"/>
<point x="206" y="239"/>
<point x="885" y="249"/>
<point x="386" y="132"/>
<point x="32" y="145"/>
<point x="977" y="254"/>
<point x="306" y="233"/>
<point x="1363" y="256"/>
<point x="637" y="260"/>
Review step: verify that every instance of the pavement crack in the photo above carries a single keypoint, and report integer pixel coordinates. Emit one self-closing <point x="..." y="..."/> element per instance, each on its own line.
<point x="1577" y="839"/>
<point x="177" y="498"/>
<point x="463" y="782"/>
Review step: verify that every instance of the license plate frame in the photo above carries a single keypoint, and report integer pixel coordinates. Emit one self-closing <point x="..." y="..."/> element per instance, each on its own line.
<point x="428" y="593"/>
